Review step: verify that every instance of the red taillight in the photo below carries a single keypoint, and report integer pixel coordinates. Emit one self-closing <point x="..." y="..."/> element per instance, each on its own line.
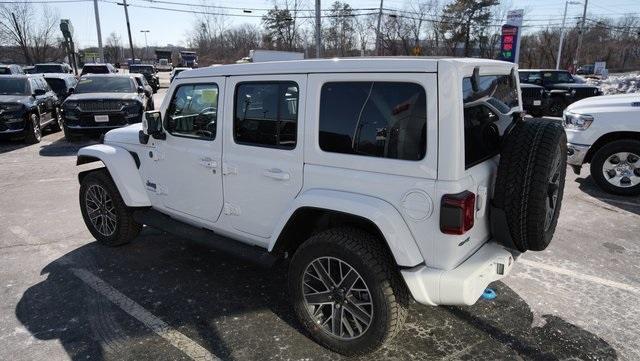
<point x="457" y="212"/>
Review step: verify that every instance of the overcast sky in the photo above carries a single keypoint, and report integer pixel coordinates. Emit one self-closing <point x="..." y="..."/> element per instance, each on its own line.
<point x="172" y="27"/>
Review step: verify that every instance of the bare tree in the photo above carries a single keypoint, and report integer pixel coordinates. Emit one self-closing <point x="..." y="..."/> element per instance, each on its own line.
<point x="340" y="32"/>
<point x="112" y="47"/>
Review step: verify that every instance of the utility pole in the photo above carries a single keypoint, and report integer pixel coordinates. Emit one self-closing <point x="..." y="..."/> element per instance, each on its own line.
<point x="126" y="14"/>
<point x="584" y="18"/>
<point x="564" y="18"/>
<point x="318" y="29"/>
<point x="378" y="39"/>
<point x="146" y="44"/>
<point x="97" y="13"/>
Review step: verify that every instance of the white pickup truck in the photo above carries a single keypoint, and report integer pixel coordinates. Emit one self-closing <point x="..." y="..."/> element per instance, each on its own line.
<point x="605" y="131"/>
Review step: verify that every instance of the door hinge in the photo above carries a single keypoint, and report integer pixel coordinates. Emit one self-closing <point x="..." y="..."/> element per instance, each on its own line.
<point x="227" y="169"/>
<point x="230" y="210"/>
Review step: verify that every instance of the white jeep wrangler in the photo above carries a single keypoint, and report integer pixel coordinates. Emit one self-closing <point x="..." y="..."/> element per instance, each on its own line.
<point x="378" y="180"/>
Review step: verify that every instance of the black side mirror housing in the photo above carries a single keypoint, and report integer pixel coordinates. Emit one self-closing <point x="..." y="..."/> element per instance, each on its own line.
<point x="71" y="90"/>
<point x="39" y="92"/>
<point x="140" y="90"/>
<point x="152" y="124"/>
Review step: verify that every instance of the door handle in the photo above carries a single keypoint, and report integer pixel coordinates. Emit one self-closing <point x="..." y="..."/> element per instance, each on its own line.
<point x="277" y="174"/>
<point x="208" y="163"/>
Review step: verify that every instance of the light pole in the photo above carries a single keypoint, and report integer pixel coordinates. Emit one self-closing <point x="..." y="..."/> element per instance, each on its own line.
<point x="97" y="13"/>
<point x="584" y="18"/>
<point x="146" y="44"/>
<point x="564" y="17"/>
<point x="126" y="15"/>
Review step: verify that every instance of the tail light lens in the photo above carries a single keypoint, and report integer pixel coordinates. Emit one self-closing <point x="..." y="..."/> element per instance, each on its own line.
<point x="457" y="212"/>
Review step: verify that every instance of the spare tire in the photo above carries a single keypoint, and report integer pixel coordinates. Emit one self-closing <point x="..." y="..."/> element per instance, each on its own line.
<point x="529" y="185"/>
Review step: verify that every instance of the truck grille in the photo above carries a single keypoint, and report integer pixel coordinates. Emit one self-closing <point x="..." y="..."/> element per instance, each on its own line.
<point x="531" y="93"/>
<point x="582" y="93"/>
<point x="100" y="105"/>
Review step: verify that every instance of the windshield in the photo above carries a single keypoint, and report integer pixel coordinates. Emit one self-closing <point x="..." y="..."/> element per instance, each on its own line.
<point x="557" y="77"/>
<point x="105" y="85"/>
<point x="95" y="69"/>
<point x="52" y="68"/>
<point x="141" y="69"/>
<point x="11" y="86"/>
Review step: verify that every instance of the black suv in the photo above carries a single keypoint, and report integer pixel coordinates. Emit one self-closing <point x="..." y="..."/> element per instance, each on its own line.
<point x="101" y="102"/>
<point x="49" y="68"/>
<point x="27" y="105"/>
<point x="149" y="72"/>
<point x="562" y="88"/>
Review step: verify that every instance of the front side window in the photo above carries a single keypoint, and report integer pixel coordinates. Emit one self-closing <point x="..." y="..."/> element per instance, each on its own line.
<point x="193" y="112"/>
<point x="266" y="114"/>
<point x="376" y="119"/>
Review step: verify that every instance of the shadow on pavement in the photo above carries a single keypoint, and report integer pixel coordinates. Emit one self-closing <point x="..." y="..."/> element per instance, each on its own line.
<point x="627" y="203"/>
<point x="240" y="312"/>
<point x="61" y="147"/>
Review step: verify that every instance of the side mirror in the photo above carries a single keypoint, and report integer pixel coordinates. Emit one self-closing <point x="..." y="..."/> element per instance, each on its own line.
<point x="140" y="90"/>
<point x="475" y="79"/>
<point x="71" y="90"/>
<point x="152" y="124"/>
<point x="39" y="92"/>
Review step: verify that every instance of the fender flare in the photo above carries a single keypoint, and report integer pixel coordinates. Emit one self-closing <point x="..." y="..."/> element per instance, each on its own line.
<point x="388" y="220"/>
<point x="123" y="169"/>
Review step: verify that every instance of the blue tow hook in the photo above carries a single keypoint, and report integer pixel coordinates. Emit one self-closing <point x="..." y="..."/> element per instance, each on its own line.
<point x="488" y="294"/>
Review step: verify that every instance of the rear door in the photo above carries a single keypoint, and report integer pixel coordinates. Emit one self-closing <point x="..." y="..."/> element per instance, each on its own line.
<point x="262" y="159"/>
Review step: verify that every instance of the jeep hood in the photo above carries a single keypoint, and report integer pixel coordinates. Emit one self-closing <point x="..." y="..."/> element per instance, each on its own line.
<point x="23" y="99"/>
<point x="103" y="96"/>
<point x="573" y="86"/>
<point x="124" y="135"/>
<point x="625" y="103"/>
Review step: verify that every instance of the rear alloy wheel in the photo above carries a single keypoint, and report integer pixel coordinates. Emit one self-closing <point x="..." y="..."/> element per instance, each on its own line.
<point x="346" y="291"/>
<point x="33" y="131"/>
<point x="616" y="167"/>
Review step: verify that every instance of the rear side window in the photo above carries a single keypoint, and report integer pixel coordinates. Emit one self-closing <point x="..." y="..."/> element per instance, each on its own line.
<point x="266" y="114"/>
<point x="375" y="119"/>
<point x="496" y="93"/>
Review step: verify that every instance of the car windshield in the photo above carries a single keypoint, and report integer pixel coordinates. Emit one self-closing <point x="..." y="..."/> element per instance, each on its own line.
<point x="141" y="69"/>
<point x="557" y="77"/>
<point x="48" y="68"/>
<point x="58" y="85"/>
<point x="12" y="86"/>
<point x="95" y="69"/>
<point x="105" y="85"/>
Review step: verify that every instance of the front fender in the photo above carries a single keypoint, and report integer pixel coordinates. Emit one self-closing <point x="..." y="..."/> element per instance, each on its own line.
<point x="382" y="214"/>
<point x="123" y="170"/>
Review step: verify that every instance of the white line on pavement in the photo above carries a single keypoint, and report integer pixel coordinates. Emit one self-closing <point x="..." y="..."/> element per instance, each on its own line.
<point x="594" y="279"/>
<point x="177" y="339"/>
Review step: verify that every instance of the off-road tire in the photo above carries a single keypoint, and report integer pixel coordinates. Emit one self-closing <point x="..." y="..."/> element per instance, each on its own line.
<point x="56" y="124"/>
<point x="602" y="154"/>
<point x="32" y="129"/>
<point x="533" y="155"/>
<point x="373" y="262"/>
<point x="126" y="228"/>
<point x="68" y="135"/>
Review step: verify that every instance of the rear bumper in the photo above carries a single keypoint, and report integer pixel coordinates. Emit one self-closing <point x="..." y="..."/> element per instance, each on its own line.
<point x="464" y="284"/>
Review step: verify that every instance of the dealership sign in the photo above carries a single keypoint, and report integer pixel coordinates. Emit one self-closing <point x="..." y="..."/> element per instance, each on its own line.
<point x="509" y="43"/>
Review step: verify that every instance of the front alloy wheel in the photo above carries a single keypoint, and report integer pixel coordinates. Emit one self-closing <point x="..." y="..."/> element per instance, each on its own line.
<point x="616" y="167"/>
<point x="100" y="210"/>
<point x="622" y="169"/>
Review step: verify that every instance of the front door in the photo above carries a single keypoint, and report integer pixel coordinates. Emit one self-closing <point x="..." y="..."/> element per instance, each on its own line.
<point x="263" y="154"/>
<point x="188" y="178"/>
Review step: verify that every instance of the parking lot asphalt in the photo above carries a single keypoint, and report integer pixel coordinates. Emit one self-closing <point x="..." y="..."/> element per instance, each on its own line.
<point x="63" y="296"/>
